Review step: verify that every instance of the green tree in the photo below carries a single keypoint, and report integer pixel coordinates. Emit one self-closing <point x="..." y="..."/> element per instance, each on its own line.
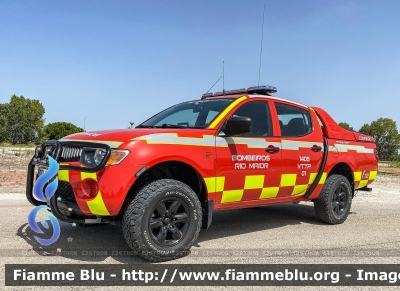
<point x="58" y="130"/>
<point x="3" y="120"/>
<point x="386" y="135"/>
<point x="24" y="119"/>
<point x="345" y="125"/>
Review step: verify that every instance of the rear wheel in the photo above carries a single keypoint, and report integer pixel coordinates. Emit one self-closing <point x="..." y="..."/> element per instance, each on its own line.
<point x="333" y="204"/>
<point x="163" y="221"/>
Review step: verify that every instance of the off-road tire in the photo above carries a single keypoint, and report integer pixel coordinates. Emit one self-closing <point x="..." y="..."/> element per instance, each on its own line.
<point x="330" y="207"/>
<point x="144" y="209"/>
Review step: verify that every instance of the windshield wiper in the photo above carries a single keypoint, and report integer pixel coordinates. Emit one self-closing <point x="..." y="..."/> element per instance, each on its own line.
<point x="165" y="125"/>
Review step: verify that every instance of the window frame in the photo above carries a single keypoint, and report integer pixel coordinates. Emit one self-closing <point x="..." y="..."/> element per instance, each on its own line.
<point x="270" y="118"/>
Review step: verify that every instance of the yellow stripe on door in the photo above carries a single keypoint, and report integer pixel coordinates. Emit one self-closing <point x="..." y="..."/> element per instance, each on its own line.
<point x="288" y="180"/>
<point x="232" y="196"/>
<point x="254" y="182"/>
<point x="269" y="192"/>
<point x="299" y="189"/>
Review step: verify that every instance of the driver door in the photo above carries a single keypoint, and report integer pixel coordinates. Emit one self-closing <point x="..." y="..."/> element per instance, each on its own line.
<point x="248" y="165"/>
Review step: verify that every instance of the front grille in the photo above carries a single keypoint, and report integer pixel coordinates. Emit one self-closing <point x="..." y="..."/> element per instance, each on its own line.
<point x="65" y="191"/>
<point x="70" y="154"/>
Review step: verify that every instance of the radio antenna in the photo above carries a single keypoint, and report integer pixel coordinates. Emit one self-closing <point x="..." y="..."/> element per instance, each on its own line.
<point x="213" y="85"/>
<point x="223" y="77"/>
<point x="262" y="38"/>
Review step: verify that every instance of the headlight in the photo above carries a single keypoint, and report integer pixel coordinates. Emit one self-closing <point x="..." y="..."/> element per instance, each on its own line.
<point x="99" y="156"/>
<point x="92" y="157"/>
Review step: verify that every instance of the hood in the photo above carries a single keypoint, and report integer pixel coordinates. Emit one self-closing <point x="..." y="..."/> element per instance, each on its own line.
<point x="116" y="137"/>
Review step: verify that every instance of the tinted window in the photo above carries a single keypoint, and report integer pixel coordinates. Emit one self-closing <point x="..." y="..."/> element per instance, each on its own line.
<point x="293" y="121"/>
<point x="258" y="111"/>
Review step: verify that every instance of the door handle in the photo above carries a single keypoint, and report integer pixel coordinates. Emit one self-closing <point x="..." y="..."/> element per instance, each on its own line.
<point x="316" y="148"/>
<point x="272" y="149"/>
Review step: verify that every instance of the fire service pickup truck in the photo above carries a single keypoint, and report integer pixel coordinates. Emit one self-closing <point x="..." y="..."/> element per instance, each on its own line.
<point x="163" y="180"/>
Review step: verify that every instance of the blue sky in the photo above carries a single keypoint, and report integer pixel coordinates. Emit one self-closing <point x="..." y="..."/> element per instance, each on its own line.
<point x="120" y="61"/>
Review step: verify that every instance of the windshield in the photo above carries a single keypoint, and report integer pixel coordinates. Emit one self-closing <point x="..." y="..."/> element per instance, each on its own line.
<point x="194" y="114"/>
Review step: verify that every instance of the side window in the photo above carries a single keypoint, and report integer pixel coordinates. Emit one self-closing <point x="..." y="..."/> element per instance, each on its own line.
<point x="260" y="116"/>
<point x="293" y="121"/>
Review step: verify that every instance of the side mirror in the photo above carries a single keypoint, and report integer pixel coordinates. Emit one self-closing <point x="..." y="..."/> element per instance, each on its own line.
<point x="238" y="125"/>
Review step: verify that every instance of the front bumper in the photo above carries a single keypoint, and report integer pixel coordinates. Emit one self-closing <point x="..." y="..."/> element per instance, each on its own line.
<point x="113" y="184"/>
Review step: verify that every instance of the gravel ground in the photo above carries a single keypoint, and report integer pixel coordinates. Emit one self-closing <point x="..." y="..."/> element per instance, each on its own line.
<point x="13" y="169"/>
<point x="15" y="158"/>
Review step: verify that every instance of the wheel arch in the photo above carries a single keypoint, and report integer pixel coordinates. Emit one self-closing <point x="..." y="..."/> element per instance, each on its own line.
<point x="345" y="170"/>
<point x="172" y="169"/>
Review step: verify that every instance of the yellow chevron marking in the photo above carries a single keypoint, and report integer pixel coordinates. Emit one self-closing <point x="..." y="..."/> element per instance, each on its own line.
<point x="254" y="182"/>
<point x="269" y="192"/>
<point x="299" y="189"/>
<point x="357" y="176"/>
<point x="226" y="111"/>
<point x="63" y="175"/>
<point x="288" y="180"/>
<point x="97" y="206"/>
<point x="232" y="196"/>
<point x="88" y="176"/>
<point x="215" y="184"/>
<point x="372" y="175"/>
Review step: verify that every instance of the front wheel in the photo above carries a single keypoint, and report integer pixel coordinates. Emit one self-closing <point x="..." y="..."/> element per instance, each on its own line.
<point x="333" y="204"/>
<point x="163" y="221"/>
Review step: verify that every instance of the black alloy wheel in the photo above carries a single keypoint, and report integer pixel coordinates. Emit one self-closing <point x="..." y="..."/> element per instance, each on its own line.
<point x="163" y="220"/>
<point x="339" y="201"/>
<point x="334" y="202"/>
<point x="169" y="222"/>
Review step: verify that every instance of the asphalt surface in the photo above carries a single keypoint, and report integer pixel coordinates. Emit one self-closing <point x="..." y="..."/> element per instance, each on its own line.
<point x="276" y="234"/>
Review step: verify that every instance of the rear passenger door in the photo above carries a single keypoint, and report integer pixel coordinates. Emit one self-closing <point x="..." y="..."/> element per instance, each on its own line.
<point x="302" y="148"/>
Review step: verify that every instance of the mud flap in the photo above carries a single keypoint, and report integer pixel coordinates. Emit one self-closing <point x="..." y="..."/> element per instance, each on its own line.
<point x="208" y="207"/>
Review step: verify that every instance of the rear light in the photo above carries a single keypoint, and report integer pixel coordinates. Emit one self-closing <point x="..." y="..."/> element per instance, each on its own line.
<point x="376" y="154"/>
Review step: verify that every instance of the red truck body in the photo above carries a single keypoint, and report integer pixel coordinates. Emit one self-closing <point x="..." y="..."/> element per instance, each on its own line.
<point x="290" y="162"/>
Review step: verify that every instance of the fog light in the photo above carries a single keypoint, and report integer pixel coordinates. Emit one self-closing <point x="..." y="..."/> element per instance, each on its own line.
<point x="87" y="189"/>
